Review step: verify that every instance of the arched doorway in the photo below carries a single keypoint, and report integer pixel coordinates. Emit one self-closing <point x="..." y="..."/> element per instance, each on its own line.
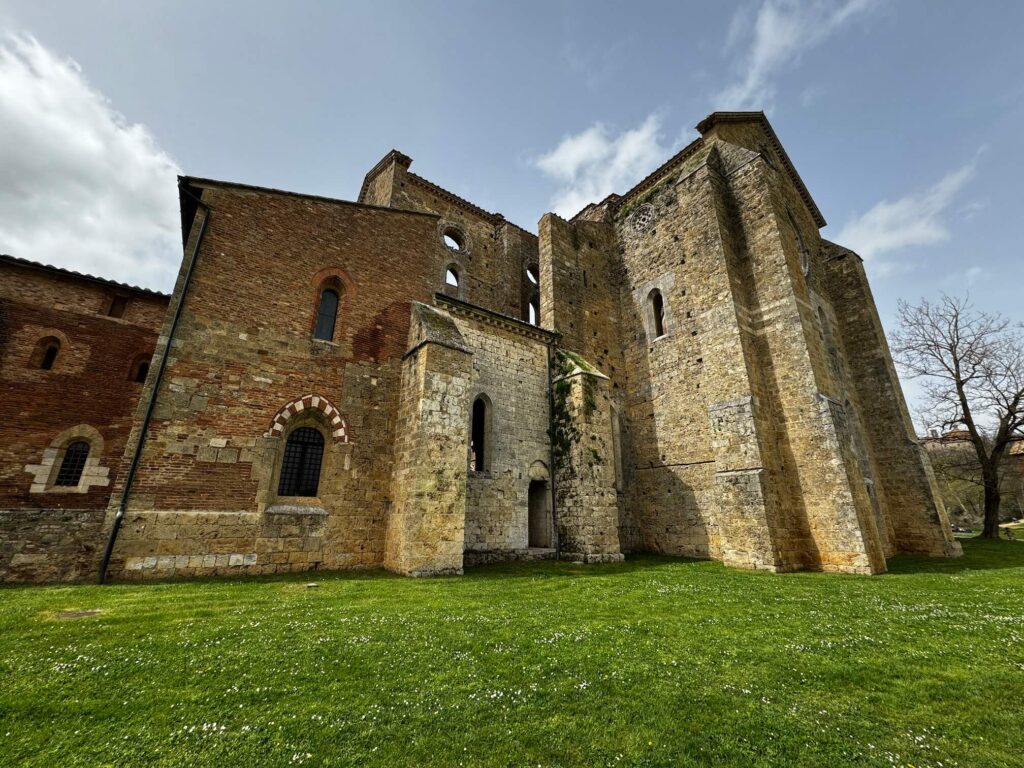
<point x="540" y="523"/>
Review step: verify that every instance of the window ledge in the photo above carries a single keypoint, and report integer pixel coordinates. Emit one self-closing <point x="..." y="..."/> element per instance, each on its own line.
<point x="311" y="507"/>
<point x="325" y="342"/>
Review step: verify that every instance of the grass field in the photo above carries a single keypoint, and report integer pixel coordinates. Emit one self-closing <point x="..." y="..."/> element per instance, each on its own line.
<point x="655" y="662"/>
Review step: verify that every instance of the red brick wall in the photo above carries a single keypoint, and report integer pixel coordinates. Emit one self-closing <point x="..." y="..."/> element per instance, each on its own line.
<point x="244" y="346"/>
<point x="89" y="383"/>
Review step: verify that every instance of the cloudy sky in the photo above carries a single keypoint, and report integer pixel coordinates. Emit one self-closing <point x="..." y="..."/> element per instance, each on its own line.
<point x="902" y="116"/>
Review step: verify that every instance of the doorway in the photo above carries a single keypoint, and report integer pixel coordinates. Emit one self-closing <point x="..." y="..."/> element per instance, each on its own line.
<point x="540" y="523"/>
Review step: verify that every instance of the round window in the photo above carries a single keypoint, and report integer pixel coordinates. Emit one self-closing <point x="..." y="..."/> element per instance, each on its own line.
<point x="642" y="218"/>
<point x="453" y="239"/>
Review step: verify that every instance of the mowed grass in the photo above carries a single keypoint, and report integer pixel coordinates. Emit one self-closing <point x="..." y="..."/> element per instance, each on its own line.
<point x="655" y="662"/>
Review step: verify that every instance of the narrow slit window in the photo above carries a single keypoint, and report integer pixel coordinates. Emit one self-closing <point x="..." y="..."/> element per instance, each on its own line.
<point x="478" y="436"/>
<point x="657" y="305"/>
<point x="534" y="312"/>
<point x="73" y="464"/>
<point x="142" y="372"/>
<point x="327" y="315"/>
<point x="300" y="467"/>
<point x="49" y="356"/>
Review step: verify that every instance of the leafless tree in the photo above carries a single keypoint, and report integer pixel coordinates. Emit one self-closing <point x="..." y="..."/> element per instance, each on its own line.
<point x="971" y="364"/>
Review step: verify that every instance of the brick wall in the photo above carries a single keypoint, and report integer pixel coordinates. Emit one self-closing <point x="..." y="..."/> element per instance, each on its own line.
<point x="49" y="532"/>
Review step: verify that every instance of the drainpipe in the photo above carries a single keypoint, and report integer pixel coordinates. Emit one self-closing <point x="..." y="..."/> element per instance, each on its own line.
<point x="151" y="404"/>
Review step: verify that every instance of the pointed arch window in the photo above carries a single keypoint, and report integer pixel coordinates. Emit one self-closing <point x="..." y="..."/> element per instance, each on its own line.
<point x="327" y="315"/>
<point x="534" y="311"/>
<point x="73" y="464"/>
<point x="451" y="276"/>
<point x="300" y="467"/>
<point x="656" y="307"/>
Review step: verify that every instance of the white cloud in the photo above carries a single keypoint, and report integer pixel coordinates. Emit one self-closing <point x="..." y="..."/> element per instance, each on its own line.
<point x="594" y="163"/>
<point x="920" y="218"/>
<point x="80" y="186"/>
<point x="775" y="36"/>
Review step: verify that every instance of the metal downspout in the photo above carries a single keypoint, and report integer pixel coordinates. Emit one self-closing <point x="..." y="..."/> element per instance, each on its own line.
<point x="151" y="405"/>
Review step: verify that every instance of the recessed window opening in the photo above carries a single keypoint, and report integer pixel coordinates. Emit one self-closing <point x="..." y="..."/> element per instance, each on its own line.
<point x="326" y="315"/>
<point x="49" y="357"/>
<point x="141" y="372"/>
<point x="451" y="277"/>
<point x="478" y="436"/>
<point x="300" y="467"/>
<point x="532" y="274"/>
<point x="534" y="312"/>
<point x="657" y="308"/>
<point x="117" y="307"/>
<point x="73" y="464"/>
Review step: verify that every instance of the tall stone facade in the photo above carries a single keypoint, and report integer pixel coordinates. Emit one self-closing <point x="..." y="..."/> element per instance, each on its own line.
<point x="686" y="368"/>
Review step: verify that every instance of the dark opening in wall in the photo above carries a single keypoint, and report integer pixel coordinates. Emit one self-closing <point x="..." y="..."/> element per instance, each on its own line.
<point x="656" y="305"/>
<point x="73" y="464"/>
<point x="44" y="356"/>
<point x="117" y="306"/>
<point x="479" y="436"/>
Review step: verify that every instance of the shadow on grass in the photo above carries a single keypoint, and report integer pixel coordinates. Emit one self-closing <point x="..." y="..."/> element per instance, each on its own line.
<point x="979" y="555"/>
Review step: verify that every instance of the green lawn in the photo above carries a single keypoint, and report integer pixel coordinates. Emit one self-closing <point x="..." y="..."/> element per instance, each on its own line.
<point x="655" y="662"/>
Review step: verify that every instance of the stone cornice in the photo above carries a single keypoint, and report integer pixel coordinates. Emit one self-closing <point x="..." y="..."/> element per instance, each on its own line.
<point x="489" y="316"/>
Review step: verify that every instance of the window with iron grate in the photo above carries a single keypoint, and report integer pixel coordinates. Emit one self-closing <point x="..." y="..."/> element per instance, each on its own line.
<point x="300" y="468"/>
<point x="73" y="464"/>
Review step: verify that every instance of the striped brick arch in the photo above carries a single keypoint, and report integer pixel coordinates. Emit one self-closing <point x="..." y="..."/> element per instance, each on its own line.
<point x="339" y="429"/>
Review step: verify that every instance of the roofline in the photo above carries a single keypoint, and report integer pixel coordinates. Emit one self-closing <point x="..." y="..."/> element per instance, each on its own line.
<point x="402" y="159"/>
<point x="704" y="126"/>
<point x="41" y="267"/>
<point x="203" y="182"/>
<point x="741" y="117"/>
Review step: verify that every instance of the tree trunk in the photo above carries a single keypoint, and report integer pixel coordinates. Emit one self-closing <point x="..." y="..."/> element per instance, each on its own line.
<point x="991" y="527"/>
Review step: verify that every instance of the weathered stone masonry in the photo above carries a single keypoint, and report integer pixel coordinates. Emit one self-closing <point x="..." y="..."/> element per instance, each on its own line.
<point x="709" y="378"/>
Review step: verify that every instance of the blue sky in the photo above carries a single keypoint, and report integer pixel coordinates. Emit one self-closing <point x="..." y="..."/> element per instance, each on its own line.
<point x="902" y="117"/>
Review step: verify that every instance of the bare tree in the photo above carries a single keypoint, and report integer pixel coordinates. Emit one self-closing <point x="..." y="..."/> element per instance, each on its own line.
<point x="972" y="367"/>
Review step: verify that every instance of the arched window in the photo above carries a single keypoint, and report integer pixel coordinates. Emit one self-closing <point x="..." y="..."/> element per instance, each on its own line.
<point x="45" y="354"/>
<point x="300" y="468"/>
<point x="533" y="274"/>
<point x="139" y="369"/>
<point x="326" y="315"/>
<point x="534" y="311"/>
<point x="480" y="436"/>
<point x="451" y="276"/>
<point x="656" y="305"/>
<point x="71" y="466"/>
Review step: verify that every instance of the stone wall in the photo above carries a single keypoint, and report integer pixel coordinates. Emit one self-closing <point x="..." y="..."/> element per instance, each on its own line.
<point x="244" y="361"/>
<point x="510" y="374"/>
<point x="50" y="532"/>
<point x="722" y="385"/>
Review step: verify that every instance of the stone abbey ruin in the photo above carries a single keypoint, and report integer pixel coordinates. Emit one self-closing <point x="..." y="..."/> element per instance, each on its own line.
<point x="409" y="381"/>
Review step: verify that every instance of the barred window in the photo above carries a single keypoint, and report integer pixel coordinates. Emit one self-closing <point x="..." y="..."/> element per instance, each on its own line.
<point x="73" y="464"/>
<point x="327" y="315"/>
<point x="300" y="468"/>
